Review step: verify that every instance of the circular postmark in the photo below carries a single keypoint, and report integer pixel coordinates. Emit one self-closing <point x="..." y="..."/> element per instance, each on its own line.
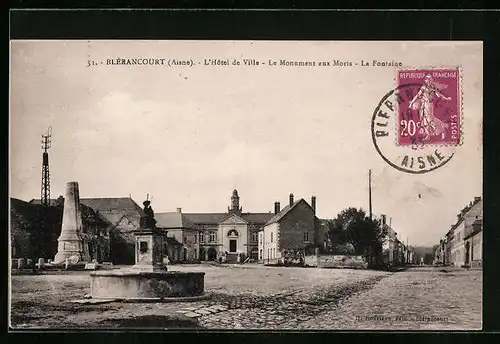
<point x="415" y="131"/>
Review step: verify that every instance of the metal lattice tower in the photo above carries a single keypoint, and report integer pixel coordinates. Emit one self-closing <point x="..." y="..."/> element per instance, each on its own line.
<point x="45" y="189"/>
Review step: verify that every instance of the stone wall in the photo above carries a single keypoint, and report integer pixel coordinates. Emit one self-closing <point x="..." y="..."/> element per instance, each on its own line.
<point x="336" y="261"/>
<point x="293" y="226"/>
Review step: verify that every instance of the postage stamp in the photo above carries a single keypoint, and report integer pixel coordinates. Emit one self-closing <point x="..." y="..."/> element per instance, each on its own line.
<point x="417" y="126"/>
<point x="433" y="113"/>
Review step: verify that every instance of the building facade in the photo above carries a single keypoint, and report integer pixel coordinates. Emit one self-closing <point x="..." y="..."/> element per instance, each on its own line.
<point x="464" y="240"/>
<point x="291" y="229"/>
<point x="182" y="243"/>
<point x="230" y="235"/>
<point x="389" y="247"/>
<point x="35" y="228"/>
<point x="474" y="243"/>
<point x="110" y="222"/>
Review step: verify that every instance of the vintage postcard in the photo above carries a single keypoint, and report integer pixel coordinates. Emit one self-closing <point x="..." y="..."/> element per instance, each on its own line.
<point x="242" y="185"/>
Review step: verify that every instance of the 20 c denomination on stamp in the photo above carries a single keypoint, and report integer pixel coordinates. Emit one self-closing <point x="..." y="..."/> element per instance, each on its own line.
<point x="417" y="126"/>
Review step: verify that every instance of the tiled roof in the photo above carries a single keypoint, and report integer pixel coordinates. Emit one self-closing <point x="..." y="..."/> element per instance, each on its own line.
<point x="109" y="207"/>
<point x="216" y="218"/>
<point x="258" y="218"/>
<point x="284" y="211"/>
<point x="37" y="201"/>
<point x="205" y="218"/>
<point x="173" y="242"/>
<point x="463" y="213"/>
<point x="111" y="204"/>
<point x="172" y="220"/>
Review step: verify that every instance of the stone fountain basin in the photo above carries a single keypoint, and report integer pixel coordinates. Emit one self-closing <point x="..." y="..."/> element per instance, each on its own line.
<point x="146" y="286"/>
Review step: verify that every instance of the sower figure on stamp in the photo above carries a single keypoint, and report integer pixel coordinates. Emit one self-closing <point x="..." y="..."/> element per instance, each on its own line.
<point x="423" y="102"/>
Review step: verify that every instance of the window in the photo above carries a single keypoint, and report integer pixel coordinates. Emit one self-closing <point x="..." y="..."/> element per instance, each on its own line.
<point x="306" y="237"/>
<point x="272" y="236"/>
<point x="260" y="238"/>
<point x="255" y="236"/>
<point x="185" y="240"/>
<point x="260" y="254"/>
<point x="212" y="237"/>
<point x="202" y="237"/>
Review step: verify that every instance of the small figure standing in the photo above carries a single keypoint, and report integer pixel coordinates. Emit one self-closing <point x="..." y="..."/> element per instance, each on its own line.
<point x="423" y="102"/>
<point x="148" y="220"/>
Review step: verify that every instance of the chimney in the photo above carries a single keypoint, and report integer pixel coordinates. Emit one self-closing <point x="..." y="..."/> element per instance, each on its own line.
<point x="384" y="221"/>
<point x="291" y="199"/>
<point x="477" y="199"/>
<point x="313" y="203"/>
<point x="179" y="210"/>
<point x="276" y="207"/>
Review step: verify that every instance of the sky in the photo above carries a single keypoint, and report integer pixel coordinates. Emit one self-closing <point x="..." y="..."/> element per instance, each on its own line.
<point x="189" y="135"/>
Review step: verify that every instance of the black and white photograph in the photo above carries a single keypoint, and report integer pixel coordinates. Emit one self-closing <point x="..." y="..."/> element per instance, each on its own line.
<point x="246" y="185"/>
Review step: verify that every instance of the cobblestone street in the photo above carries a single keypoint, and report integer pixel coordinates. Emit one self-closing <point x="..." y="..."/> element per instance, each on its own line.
<point x="258" y="297"/>
<point x="416" y="299"/>
<point x="419" y="298"/>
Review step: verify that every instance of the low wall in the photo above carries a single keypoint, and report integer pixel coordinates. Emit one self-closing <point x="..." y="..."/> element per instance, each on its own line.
<point x="146" y="285"/>
<point x="336" y="261"/>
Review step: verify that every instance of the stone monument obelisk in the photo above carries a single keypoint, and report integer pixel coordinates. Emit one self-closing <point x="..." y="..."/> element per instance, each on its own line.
<point x="70" y="242"/>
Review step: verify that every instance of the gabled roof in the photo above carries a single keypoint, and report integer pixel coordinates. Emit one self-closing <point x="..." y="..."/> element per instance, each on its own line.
<point x="257" y="218"/>
<point x="205" y="218"/>
<point x="173" y="242"/>
<point x="109" y="209"/>
<point x="464" y="212"/>
<point x="172" y="220"/>
<point x="216" y="218"/>
<point x="111" y="204"/>
<point x="52" y="201"/>
<point x="233" y="215"/>
<point x="103" y="204"/>
<point x="284" y="211"/>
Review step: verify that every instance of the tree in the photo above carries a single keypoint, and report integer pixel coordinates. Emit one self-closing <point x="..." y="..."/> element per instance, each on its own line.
<point x="366" y="235"/>
<point x="428" y="258"/>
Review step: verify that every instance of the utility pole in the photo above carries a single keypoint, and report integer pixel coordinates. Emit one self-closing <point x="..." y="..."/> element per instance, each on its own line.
<point x="45" y="189"/>
<point x="370" y="192"/>
<point x="407" y="250"/>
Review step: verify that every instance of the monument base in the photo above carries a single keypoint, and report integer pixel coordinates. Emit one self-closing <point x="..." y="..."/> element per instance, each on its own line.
<point x="149" y="268"/>
<point x="61" y="257"/>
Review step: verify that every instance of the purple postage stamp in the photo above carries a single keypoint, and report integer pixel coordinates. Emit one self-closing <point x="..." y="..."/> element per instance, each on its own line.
<point x="432" y="116"/>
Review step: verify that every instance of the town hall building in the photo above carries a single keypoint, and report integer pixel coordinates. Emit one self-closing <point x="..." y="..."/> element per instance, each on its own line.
<point x="230" y="234"/>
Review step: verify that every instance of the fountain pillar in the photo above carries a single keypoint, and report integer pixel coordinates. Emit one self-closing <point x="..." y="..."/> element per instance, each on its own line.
<point x="149" y="250"/>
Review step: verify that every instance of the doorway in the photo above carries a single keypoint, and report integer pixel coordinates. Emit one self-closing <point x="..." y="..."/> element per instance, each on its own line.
<point x="232" y="245"/>
<point x="467" y="252"/>
<point x="212" y="254"/>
